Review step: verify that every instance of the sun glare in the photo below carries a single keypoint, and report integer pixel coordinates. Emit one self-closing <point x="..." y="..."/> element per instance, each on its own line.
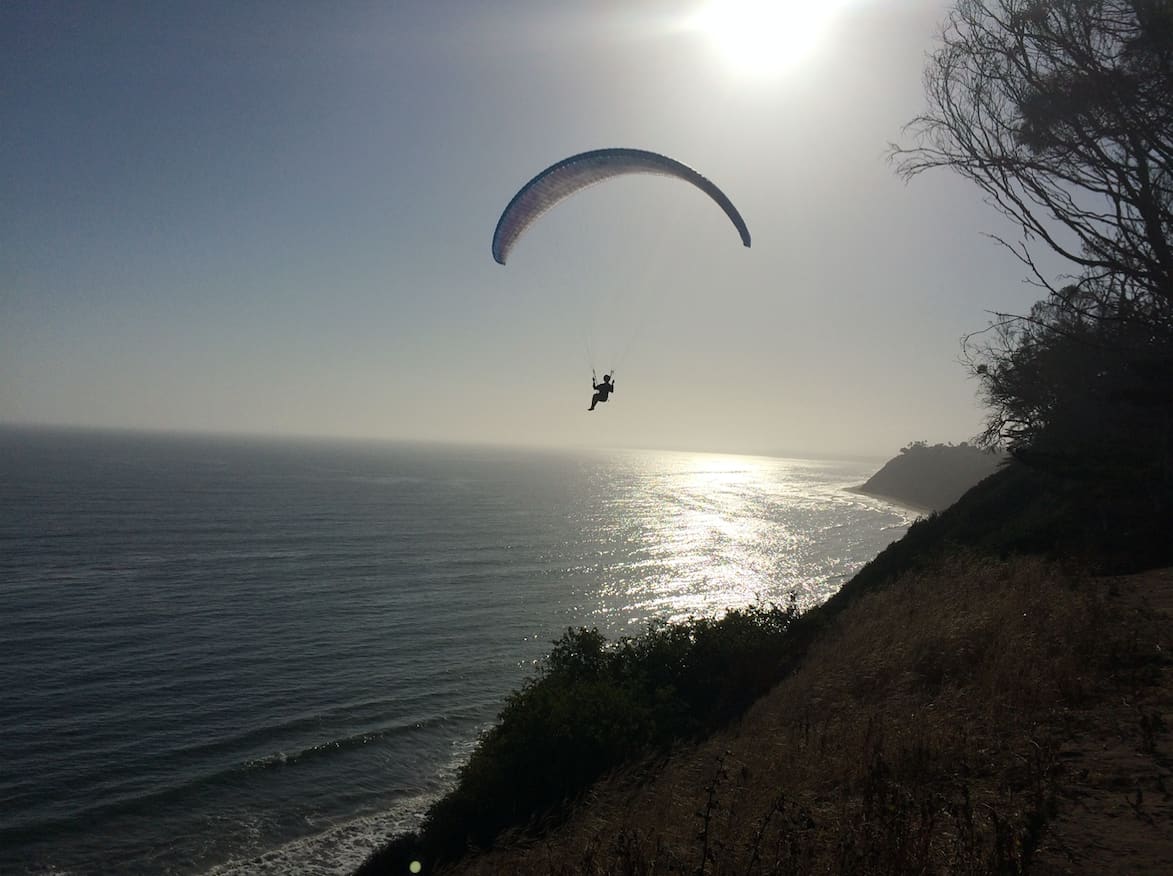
<point x="764" y="37"/>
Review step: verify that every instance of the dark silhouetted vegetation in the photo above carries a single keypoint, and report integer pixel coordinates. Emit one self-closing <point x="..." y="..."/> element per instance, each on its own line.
<point x="1063" y="114"/>
<point x="1021" y="510"/>
<point x="968" y="719"/>
<point x="1087" y="396"/>
<point x="594" y="705"/>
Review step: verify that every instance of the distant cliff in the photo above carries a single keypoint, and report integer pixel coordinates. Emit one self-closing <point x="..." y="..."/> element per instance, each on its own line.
<point x="932" y="477"/>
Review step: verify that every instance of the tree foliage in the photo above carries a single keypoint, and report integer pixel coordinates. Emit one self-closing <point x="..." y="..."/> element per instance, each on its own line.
<point x="1062" y="112"/>
<point x="1086" y="396"/>
<point x="595" y="705"/>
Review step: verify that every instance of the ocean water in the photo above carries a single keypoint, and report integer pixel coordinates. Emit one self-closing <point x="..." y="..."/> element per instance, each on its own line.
<point x="223" y="656"/>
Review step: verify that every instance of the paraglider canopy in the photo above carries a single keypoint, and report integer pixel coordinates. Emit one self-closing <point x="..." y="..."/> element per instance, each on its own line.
<point x="570" y="175"/>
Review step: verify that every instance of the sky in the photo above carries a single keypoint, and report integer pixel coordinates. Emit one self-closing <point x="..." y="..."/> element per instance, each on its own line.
<point x="275" y="218"/>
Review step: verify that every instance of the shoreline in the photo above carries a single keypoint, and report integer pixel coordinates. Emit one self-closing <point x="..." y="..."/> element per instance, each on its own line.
<point x="922" y="510"/>
<point x="893" y="725"/>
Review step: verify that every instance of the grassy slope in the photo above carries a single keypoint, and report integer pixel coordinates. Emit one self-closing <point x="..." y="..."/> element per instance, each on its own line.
<point x="932" y="720"/>
<point x="976" y="716"/>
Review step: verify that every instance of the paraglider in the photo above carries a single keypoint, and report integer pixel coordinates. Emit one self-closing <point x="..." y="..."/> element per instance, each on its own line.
<point x="602" y="390"/>
<point x="570" y="175"/>
<point x="565" y="178"/>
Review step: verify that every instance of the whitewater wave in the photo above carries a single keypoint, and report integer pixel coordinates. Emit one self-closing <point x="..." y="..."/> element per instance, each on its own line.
<point x="337" y="850"/>
<point x="342" y="846"/>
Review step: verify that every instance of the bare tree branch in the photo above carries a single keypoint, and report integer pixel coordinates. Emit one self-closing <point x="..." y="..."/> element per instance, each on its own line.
<point x="1061" y="111"/>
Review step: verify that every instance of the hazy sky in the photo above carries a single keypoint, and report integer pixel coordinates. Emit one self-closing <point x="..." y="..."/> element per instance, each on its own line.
<point x="275" y="217"/>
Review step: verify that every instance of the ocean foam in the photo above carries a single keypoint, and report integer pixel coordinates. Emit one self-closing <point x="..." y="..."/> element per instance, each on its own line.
<point x="338" y="850"/>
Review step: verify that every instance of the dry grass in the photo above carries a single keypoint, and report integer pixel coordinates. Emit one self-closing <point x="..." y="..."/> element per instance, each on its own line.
<point x="929" y="731"/>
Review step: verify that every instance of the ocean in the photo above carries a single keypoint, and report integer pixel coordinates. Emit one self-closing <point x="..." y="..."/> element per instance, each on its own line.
<point x="229" y="656"/>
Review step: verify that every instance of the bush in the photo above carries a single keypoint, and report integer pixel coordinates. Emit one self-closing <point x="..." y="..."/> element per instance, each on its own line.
<point x="594" y="705"/>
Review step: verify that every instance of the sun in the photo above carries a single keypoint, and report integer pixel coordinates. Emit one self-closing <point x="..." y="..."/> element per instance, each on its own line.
<point x="764" y="37"/>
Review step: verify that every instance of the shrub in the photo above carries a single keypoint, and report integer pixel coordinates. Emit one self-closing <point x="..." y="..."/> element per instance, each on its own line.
<point x="594" y="705"/>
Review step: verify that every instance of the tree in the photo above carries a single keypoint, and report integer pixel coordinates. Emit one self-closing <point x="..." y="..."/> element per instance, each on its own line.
<point x="1070" y="390"/>
<point x="1062" y="112"/>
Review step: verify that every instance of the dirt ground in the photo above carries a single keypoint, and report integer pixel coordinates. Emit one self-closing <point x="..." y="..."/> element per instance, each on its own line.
<point x="1116" y="811"/>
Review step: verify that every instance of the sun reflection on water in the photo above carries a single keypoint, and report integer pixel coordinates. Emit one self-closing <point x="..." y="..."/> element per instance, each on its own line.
<point x="689" y="534"/>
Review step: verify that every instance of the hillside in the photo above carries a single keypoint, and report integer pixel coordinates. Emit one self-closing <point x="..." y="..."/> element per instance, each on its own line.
<point x="975" y="716"/>
<point x="932" y="477"/>
<point x="992" y="693"/>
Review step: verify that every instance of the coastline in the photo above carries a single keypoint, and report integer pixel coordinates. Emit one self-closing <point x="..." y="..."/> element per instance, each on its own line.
<point x="921" y="510"/>
<point x="932" y="477"/>
<point x="911" y="756"/>
<point x="924" y="719"/>
<point x="383" y="591"/>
